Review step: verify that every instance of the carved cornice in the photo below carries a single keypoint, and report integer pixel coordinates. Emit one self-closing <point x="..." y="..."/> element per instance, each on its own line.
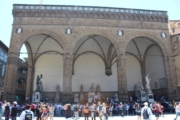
<point x="89" y="12"/>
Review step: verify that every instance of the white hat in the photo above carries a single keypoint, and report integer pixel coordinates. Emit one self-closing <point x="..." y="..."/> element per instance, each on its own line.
<point x="146" y="104"/>
<point x="15" y="102"/>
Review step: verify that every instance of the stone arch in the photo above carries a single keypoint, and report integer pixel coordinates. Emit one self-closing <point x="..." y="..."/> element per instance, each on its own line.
<point x="151" y="37"/>
<point x="26" y="36"/>
<point x="100" y="33"/>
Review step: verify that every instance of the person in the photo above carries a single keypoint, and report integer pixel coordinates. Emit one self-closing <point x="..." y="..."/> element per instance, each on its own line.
<point x="93" y="112"/>
<point x="45" y="113"/>
<point x="51" y="111"/>
<point x="14" y="111"/>
<point x="86" y="111"/>
<point x="39" y="111"/>
<point x="138" y="111"/>
<point x="32" y="108"/>
<point x="161" y="107"/>
<point x="111" y="107"/>
<point x="99" y="109"/>
<point x="149" y="112"/>
<point x="121" y="109"/>
<point x="104" y="112"/>
<point x="27" y="114"/>
<point x="156" y="108"/>
<point x="68" y="112"/>
<point x="177" y="110"/>
<point x="1" y="110"/>
<point x="76" y="113"/>
<point x="7" y="111"/>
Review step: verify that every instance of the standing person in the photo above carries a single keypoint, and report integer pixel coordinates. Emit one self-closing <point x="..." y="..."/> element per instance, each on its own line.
<point x="7" y="111"/>
<point x="45" y="113"/>
<point x="1" y="110"/>
<point x="138" y="111"/>
<point x="86" y="111"/>
<point x="156" y="108"/>
<point x="68" y="112"/>
<point x="14" y="111"/>
<point x="111" y="107"/>
<point x="93" y="112"/>
<point x="99" y="109"/>
<point x="51" y="111"/>
<point x="146" y="112"/>
<point x="121" y="109"/>
<point x="161" y="109"/>
<point x="76" y="113"/>
<point x="104" y="112"/>
<point x="33" y="108"/>
<point x="39" y="111"/>
<point x="27" y="114"/>
<point x="177" y="110"/>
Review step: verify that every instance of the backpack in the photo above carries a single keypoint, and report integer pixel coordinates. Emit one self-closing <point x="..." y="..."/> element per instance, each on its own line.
<point x="28" y="116"/>
<point x="145" y="114"/>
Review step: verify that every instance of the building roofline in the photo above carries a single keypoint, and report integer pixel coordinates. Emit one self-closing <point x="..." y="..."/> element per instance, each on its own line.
<point x="4" y="46"/>
<point x="87" y="6"/>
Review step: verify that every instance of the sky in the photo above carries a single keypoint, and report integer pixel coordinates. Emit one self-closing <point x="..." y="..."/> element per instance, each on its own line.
<point x="172" y="6"/>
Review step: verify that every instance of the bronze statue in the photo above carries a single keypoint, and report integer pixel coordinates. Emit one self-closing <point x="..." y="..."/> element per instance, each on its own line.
<point x="38" y="89"/>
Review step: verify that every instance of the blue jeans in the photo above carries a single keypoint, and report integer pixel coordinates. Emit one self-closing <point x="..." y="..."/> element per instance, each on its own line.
<point x="59" y="112"/>
<point x="7" y="117"/>
<point x="177" y="114"/>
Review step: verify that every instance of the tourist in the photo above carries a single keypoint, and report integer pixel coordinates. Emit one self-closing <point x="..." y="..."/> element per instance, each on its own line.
<point x="147" y="110"/>
<point x="14" y="111"/>
<point x="111" y="107"/>
<point x="1" y="110"/>
<point x="45" y="112"/>
<point x="121" y="109"/>
<point x="68" y="112"/>
<point x="177" y="110"/>
<point x="161" y="107"/>
<point x="76" y="113"/>
<point x="104" y="111"/>
<point x="7" y="111"/>
<point x="93" y="112"/>
<point x="156" y="109"/>
<point x="86" y="111"/>
<point x="99" y="109"/>
<point x="138" y="111"/>
<point x="51" y="112"/>
<point x="27" y="114"/>
<point x="39" y="111"/>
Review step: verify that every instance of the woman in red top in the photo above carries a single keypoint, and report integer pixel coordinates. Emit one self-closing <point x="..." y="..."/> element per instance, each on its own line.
<point x="45" y="113"/>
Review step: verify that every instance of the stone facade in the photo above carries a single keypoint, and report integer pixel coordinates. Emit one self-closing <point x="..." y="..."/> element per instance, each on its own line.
<point x="53" y="21"/>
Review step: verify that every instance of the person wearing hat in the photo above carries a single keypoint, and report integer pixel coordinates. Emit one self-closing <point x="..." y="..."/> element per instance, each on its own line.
<point x="14" y="111"/>
<point x="149" y="112"/>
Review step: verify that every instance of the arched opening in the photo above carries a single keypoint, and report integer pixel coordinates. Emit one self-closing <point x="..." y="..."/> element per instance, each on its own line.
<point x="143" y="57"/>
<point x="44" y="57"/>
<point x="94" y="62"/>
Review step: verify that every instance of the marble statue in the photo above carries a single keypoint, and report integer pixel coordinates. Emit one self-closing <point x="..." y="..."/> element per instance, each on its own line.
<point x="76" y="98"/>
<point x="38" y="83"/>
<point x="147" y="84"/>
<point x="81" y="88"/>
<point x="57" y="88"/>
<point x="91" y="89"/>
<point x="98" y="88"/>
<point x="116" y="97"/>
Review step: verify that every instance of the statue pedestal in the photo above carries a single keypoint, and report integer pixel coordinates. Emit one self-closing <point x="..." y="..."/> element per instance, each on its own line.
<point x="91" y="97"/>
<point x="150" y="97"/>
<point x="142" y="96"/>
<point x="57" y="98"/>
<point x="81" y="96"/>
<point x="37" y="96"/>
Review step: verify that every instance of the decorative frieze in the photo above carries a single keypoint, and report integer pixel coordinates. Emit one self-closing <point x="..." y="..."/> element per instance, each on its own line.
<point x="61" y="11"/>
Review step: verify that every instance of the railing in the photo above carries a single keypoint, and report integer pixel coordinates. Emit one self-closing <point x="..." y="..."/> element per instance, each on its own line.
<point x="88" y="9"/>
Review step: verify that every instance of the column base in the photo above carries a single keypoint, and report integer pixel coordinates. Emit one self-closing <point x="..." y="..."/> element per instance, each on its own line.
<point x="123" y="98"/>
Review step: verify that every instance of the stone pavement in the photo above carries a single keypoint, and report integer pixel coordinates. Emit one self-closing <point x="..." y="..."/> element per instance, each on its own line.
<point x="166" y="117"/>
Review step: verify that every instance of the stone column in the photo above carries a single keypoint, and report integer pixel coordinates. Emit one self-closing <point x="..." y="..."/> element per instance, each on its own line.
<point x="122" y="79"/>
<point x="11" y="78"/>
<point x="67" y="74"/>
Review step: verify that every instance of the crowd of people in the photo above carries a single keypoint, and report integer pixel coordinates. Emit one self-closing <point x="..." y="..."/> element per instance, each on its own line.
<point x="46" y="111"/>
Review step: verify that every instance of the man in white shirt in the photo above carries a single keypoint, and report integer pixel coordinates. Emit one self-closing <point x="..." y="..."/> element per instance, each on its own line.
<point x="25" y="112"/>
<point x="148" y="111"/>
